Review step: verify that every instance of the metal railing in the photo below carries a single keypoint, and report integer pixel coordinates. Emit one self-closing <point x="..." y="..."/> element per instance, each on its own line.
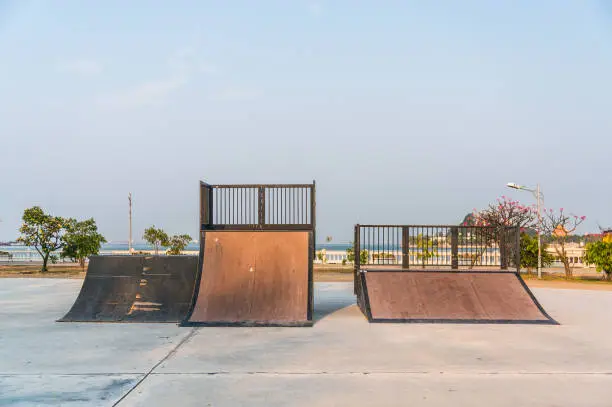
<point x="257" y="207"/>
<point x="437" y="246"/>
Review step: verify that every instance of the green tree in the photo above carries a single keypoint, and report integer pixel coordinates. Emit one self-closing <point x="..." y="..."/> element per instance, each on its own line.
<point x="600" y="254"/>
<point x="177" y="244"/>
<point x="81" y="240"/>
<point x="44" y="232"/>
<point x="529" y="253"/>
<point x="427" y="248"/>
<point x="322" y="255"/>
<point x="363" y="256"/>
<point x="156" y="237"/>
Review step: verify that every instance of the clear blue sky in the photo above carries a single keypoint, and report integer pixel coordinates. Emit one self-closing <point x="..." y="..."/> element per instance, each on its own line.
<point x="415" y="111"/>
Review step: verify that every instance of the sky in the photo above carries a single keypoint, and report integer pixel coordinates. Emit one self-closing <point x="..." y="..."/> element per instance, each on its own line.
<point x="402" y="111"/>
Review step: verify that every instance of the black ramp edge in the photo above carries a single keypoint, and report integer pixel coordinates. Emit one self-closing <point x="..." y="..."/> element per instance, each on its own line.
<point x="196" y="287"/>
<point x="551" y="320"/>
<point x="135" y="289"/>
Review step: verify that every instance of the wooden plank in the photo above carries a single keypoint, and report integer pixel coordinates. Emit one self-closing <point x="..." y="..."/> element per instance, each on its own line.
<point x="450" y="296"/>
<point x="253" y="278"/>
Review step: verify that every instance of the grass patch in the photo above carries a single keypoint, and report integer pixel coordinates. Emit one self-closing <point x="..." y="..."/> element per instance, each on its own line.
<point x="594" y="279"/>
<point x="332" y="268"/>
<point x="33" y="270"/>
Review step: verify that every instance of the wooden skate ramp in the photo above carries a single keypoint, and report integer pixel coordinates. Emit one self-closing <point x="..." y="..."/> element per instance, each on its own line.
<point x="254" y="278"/>
<point x="448" y="296"/>
<point x="135" y="289"/>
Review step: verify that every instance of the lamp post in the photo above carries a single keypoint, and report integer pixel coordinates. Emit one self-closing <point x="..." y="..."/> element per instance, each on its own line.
<point x="538" y="195"/>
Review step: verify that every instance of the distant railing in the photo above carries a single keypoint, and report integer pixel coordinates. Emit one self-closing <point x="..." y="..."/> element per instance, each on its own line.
<point x="441" y="246"/>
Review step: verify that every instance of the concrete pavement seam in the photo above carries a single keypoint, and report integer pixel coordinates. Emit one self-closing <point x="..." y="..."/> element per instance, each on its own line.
<point x="74" y="374"/>
<point x="225" y="373"/>
<point x="172" y="352"/>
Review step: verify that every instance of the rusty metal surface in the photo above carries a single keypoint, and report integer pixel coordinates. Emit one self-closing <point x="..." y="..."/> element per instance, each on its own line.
<point x="430" y="296"/>
<point x="135" y="289"/>
<point x="253" y="278"/>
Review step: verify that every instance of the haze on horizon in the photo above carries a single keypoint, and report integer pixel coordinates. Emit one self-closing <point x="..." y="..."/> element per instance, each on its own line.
<point x="415" y="112"/>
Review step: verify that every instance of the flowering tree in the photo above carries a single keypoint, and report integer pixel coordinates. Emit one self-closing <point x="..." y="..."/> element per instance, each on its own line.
<point x="559" y="226"/>
<point x="505" y="212"/>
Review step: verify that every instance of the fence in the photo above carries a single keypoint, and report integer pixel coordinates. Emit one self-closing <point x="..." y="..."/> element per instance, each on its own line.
<point x="441" y="246"/>
<point x="280" y="207"/>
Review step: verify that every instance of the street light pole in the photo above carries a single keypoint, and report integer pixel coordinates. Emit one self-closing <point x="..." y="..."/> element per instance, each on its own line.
<point x="538" y="195"/>
<point x="539" y="205"/>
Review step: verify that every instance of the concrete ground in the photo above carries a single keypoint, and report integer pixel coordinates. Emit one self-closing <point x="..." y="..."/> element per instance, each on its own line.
<point x="341" y="361"/>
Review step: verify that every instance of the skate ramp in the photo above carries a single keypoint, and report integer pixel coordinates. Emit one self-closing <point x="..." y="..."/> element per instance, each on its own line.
<point x="447" y="296"/>
<point x="254" y="279"/>
<point x="135" y="289"/>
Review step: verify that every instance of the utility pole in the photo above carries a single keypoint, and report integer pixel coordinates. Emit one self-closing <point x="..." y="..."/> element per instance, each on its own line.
<point x="130" y="212"/>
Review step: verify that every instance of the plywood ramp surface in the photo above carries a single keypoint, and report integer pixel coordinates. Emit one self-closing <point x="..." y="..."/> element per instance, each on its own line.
<point x="259" y="278"/>
<point x="135" y="289"/>
<point x="431" y="296"/>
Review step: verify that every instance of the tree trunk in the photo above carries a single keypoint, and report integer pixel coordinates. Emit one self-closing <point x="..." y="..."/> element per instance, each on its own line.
<point x="45" y="260"/>
<point x="82" y="263"/>
<point x="563" y="256"/>
<point x="568" y="270"/>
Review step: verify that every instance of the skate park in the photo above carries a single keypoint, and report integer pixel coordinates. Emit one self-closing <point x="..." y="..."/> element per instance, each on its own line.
<point x="433" y="131"/>
<point x="245" y="324"/>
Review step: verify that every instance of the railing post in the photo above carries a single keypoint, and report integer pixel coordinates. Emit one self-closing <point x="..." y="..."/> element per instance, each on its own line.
<point x="313" y="217"/>
<point x="261" y="206"/>
<point x="454" y="247"/>
<point x="405" y="247"/>
<point x="206" y="205"/>
<point x="517" y="248"/>
<point x="503" y="252"/>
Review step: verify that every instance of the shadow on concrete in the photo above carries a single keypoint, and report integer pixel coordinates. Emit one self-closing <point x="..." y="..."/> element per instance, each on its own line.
<point x="325" y="306"/>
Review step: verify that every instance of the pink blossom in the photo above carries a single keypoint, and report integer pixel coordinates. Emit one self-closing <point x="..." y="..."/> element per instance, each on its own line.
<point x="582" y="217"/>
<point x="561" y="210"/>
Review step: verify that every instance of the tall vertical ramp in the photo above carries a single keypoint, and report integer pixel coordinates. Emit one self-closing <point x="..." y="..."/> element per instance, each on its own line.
<point x="135" y="289"/>
<point x="448" y="296"/>
<point x="254" y="278"/>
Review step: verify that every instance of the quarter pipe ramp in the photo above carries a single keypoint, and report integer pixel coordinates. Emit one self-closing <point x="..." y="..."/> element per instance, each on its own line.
<point x="254" y="278"/>
<point x="135" y="289"/>
<point x="448" y="296"/>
